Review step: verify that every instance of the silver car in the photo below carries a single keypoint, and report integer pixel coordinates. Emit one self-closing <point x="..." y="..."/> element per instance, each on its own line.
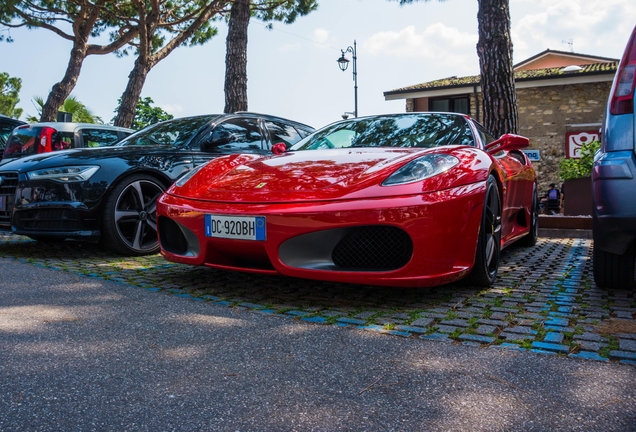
<point x="614" y="182"/>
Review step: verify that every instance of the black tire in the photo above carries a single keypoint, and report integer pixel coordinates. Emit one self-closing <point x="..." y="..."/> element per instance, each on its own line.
<point x="531" y="238"/>
<point x="129" y="222"/>
<point x="613" y="271"/>
<point x="484" y="271"/>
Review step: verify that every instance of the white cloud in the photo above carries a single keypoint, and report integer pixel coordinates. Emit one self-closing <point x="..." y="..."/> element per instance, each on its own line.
<point x="321" y="35"/>
<point x="437" y="43"/>
<point x="173" y="109"/>
<point x="597" y="27"/>
<point x="293" y="47"/>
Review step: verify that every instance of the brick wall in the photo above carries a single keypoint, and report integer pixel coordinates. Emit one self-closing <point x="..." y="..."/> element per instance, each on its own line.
<point x="547" y="113"/>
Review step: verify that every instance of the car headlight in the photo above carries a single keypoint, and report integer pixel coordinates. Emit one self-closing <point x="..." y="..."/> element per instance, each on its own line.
<point x="64" y="174"/>
<point x="183" y="180"/>
<point x="421" y="168"/>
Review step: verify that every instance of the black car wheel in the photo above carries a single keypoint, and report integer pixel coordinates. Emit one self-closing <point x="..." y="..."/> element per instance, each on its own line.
<point x="531" y="238"/>
<point x="484" y="271"/>
<point x="613" y="271"/>
<point x="130" y="216"/>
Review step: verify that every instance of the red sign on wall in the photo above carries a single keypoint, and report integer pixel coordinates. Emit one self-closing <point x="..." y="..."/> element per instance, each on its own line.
<point x="574" y="141"/>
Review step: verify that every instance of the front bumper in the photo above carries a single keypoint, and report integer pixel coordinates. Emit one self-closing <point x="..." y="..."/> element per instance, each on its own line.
<point x="53" y="209"/>
<point x="306" y="239"/>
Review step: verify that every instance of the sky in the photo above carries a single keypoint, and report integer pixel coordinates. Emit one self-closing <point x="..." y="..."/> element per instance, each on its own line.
<point x="293" y="70"/>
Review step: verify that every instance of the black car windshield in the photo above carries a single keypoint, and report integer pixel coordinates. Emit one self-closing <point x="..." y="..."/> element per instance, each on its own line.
<point x="405" y="130"/>
<point x="176" y="133"/>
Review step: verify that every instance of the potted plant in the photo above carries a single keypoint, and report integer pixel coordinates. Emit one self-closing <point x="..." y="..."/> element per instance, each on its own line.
<point x="577" y="182"/>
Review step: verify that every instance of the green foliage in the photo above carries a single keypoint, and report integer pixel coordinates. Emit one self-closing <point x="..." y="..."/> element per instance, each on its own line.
<point x="9" y="89"/>
<point x="169" y="24"/>
<point x="577" y="168"/>
<point x="282" y="10"/>
<point x="145" y="114"/>
<point x="80" y="112"/>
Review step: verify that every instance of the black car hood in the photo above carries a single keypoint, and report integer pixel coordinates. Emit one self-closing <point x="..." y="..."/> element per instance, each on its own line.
<point x="91" y="156"/>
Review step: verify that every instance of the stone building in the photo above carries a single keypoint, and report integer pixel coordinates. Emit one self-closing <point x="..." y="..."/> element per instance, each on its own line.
<point x="561" y="98"/>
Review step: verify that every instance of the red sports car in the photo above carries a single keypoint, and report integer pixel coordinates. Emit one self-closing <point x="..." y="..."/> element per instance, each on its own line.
<point x="411" y="200"/>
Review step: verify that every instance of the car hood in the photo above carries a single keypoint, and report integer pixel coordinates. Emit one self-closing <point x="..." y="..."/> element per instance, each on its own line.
<point x="86" y="156"/>
<point x="308" y="175"/>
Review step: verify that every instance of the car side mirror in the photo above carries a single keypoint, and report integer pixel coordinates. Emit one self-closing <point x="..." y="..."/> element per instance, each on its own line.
<point x="279" y="148"/>
<point x="508" y="142"/>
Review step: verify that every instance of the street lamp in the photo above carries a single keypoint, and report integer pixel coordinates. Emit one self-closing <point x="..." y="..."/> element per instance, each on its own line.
<point x="343" y="63"/>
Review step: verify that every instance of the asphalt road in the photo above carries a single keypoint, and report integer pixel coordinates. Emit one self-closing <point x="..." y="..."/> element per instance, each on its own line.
<point x="83" y="354"/>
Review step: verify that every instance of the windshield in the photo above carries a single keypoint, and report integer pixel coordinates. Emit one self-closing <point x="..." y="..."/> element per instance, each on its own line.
<point x="408" y="130"/>
<point x="176" y="133"/>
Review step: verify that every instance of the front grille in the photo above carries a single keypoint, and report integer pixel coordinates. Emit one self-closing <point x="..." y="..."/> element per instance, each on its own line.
<point x="8" y="186"/>
<point x="171" y="237"/>
<point x="378" y="248"/>
<point x="47" y="220"/>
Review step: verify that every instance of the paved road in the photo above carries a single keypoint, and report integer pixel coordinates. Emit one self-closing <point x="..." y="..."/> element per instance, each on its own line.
<point x="544" y="299"/>
<point x="86" y="354"/>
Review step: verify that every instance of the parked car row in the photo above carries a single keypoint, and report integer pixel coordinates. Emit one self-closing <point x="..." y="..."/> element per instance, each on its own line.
<point x="415" y="199"/>
<point x="109" y="194"/>
<point x="407" y="199"/>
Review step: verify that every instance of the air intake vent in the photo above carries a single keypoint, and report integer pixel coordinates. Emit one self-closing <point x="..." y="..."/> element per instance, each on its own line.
<point x="375" y="248"/>
<point x="171" y="237"/>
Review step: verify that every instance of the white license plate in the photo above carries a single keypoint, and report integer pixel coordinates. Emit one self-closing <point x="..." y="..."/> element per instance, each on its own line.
<point x="235" y="227"/>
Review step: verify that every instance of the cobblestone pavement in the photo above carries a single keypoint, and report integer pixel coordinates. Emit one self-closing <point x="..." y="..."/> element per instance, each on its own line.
<point x="544" y="299"/>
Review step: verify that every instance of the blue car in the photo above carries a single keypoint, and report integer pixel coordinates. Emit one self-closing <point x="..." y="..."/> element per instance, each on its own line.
<point x="614" y="182"/>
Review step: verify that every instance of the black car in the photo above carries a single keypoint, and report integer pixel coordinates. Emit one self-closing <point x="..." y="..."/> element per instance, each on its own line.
<point x="108" y="194"/>
<point x="7" y="124"/>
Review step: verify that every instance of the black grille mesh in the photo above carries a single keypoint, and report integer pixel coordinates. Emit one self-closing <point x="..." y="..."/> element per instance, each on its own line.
<point x="7" y="191"/>
<point x="378" y="248"/>
<point x="47" y="220"/>
<point x="171" y="237"/>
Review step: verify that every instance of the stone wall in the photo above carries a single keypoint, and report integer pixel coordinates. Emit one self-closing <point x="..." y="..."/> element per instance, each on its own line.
<point x="547" y="113"/>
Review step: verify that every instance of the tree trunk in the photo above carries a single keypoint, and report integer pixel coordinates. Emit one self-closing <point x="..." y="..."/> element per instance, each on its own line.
<point x="63" y="89"/>
<point x="494" y="48"/>
<point x="236" y="58"/>
<point x="130" y="98"/>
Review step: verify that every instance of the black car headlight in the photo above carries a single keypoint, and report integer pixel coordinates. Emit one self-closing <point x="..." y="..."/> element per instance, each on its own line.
<point x="64" y="174"/>
<point x="421" y="168"/>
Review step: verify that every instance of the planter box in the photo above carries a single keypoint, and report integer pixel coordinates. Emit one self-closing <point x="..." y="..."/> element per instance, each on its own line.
<point x="564" y="222"/>
<point x="577" y="197"/>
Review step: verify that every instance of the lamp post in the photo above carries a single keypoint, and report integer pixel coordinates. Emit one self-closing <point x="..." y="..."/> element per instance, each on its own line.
<point x="343" y="63"/>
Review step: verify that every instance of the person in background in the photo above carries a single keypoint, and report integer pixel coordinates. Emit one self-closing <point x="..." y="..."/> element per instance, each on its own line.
<point x="551" y="202"/>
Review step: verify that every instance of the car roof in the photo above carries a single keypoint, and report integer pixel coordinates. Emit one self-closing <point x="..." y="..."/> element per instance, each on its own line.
<point x="269" y="117"/>
<point x="5" y="119"/>
<point x="72" y="126"/>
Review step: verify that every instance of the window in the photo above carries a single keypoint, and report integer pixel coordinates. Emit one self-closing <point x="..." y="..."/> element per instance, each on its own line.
<point x="236" y="135"/>
<point x="99" y="137"/>
<point x="455" y="104"/>
<point x="485" y="136"/>
<point x="62" y="140"/>
<point x="280" y="132"/>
